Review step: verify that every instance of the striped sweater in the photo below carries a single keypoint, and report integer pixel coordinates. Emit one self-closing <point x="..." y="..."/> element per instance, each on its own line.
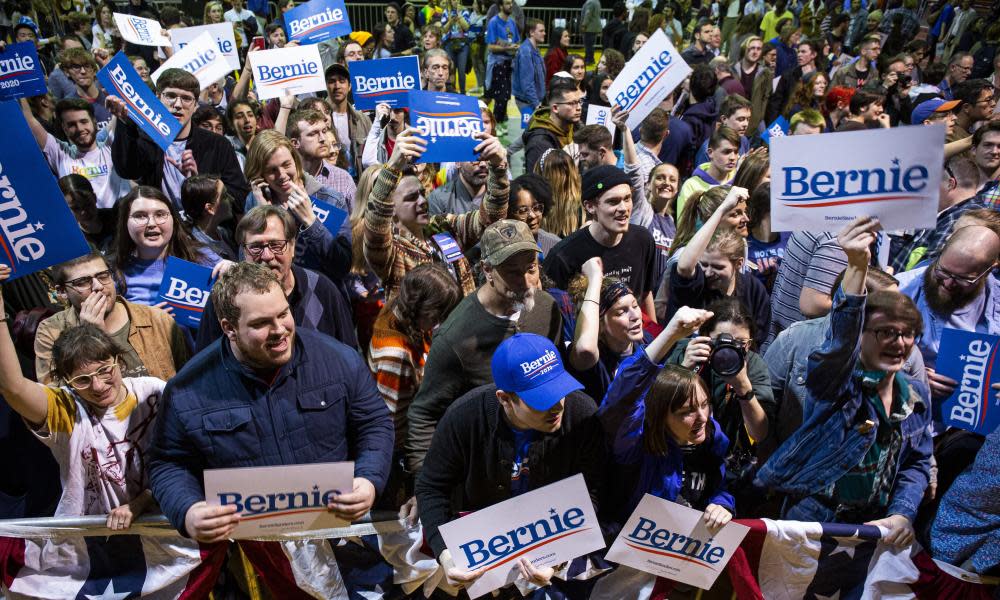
<point x="398" y="367"/>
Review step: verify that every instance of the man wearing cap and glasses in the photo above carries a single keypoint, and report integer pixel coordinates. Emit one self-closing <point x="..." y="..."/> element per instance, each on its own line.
<point x="511" y="301"/>
<point x="531" y="427"/>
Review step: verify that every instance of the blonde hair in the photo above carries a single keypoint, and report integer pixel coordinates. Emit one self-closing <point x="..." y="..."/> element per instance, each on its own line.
<point x="359" y="265"/>
<point x="565" y="216"/>
<point x="262" y="147"/>
<point x="729" y="244"/>
<point x="208" y="7"/>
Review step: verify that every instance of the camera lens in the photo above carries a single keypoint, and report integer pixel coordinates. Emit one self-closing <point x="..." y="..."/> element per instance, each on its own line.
<point x="727" y="361"/>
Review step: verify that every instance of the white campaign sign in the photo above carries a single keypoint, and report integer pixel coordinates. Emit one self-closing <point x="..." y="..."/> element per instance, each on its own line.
<point x="671" y="541"/>
<point x="201" y="58"/>
<point x="222" y="33"/>
<point x="144" y="32"/>
<point x="546" y="526"/>
<point x="600" y="115"/>
<point x="822" y="182"/>
<point x="646" y="80"/>
<point x="285" y="499"/>
<point x="297" y="68"/>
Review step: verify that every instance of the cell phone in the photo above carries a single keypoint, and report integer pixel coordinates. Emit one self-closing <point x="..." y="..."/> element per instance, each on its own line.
<point x="257" y="43"/>
<point x="266" y="191"/>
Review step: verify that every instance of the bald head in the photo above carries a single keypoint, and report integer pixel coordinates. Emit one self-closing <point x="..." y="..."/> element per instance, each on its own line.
<point x="975" y="244"/>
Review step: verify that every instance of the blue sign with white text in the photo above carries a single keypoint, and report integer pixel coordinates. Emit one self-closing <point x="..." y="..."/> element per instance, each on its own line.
<point x="383" y="80"/>
<point x="329" y="215"/>
<point x="21" y="73"/>
<point x="186" y="287"/>
<point x="448" y="123"/>
<point x="120" y="79"/>
<point x="317" y="21"/>
<point x="526" y="114"/>
<point x="37" y="228"/>
<point x="969" y="358"/>
<point x="777" y="129"/>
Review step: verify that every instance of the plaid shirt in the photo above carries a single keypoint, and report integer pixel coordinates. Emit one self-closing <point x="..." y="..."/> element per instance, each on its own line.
<point x="339" y="180"/>
<point x="933" y="239"/>
<point x="989" y="196"/>
<point x="908" y="26"/>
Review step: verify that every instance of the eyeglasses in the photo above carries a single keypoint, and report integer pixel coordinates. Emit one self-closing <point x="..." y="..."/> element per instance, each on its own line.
<point x="84" y="283"/>
<point x="522" y="211"/>
<point x="943" y="275"/>
<point x="69" y="68"/>
<point x="889" y="334"/>
<point x="159" y="217"/>
<point x="105" y="373"/>
<point x="573" y="103"/>
<point x="277" y="248"/>
<point x="171" y="97"/>
<point x="988" y="101"/>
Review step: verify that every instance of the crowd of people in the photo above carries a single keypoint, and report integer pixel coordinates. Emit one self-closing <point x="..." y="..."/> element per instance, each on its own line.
<point x="687" y="349"/>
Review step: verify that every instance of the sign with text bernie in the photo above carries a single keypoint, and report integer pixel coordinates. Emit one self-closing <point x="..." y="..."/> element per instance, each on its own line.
<point x="648" y="77"/>
<point x="21" y="73"/>
<point x="119" y="78"/>
<point x="298" y="69"/>
<point x="448" y="123"/>
<point x="201" y="58"/>
<point x="317" y="21"/>
<point x="186" y="287"/>
<point x="222" y="33"/>
<point x="139" y="30"/>
<point x="384" y="80"/>
<point x="969" y="358"/>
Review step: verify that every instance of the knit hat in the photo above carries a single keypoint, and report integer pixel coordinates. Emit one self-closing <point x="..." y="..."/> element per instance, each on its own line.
<point x="600" y="179"/>
<point x="361" y="37"/>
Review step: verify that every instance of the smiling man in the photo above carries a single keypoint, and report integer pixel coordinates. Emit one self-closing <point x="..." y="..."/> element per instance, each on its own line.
<point x="195" y="150"/>
<point x="217" y="413"/>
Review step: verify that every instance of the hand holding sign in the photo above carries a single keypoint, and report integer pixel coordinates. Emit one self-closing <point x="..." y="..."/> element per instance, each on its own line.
<point x="409" y="147"/>
<point x="490" y="149"/>
<point x="941" y="386"/>
<point x="537" y="576"/>
<point x="352" y="506"/>
<point x="210" y="524"/>
<point x="456" y="575"/>
<point x="856" y="239"/>
<point x="716" y="517"/>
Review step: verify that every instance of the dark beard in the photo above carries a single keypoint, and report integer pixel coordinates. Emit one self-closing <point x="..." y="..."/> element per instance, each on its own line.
<point x="943" y="301"/>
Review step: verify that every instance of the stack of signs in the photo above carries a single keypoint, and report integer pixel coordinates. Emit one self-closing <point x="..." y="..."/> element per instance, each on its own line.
<point x="21" y="73"/>
<point x="285" y="499"/>
<point x="777" y="129"/>
<point x="223" y="35"/>
<point x="329" y="215"/>
<point x="648" y="78"/>
<point x="317" y="21"/>
<point x="200" y="57"/>
<point x="140" y="31"/>
<point x="448" y="123"/>
<point x="386" y="80"/>
<point x="823" y="182"/>
<point x="120" y="79"/>
<point x="600" y="115"/>
<point x="37" y="228"/>
<point x="671" y="541"/>
<point x="546" y="526"/>
<point x="969" y="358"/>
<point x="186" y="287"/>
<point x="298" y="69"/>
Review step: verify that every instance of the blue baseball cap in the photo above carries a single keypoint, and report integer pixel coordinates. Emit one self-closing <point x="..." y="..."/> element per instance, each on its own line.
<point x="529" y="365"/>
<point x="928" y="107"/>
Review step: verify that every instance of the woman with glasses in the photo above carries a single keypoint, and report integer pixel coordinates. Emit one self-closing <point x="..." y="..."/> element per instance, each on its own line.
<point x="149" y="230"/>
<point x="530" y="199"/>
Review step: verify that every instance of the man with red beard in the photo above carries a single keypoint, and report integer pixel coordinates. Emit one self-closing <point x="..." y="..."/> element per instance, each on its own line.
<point x="958" y="290"/>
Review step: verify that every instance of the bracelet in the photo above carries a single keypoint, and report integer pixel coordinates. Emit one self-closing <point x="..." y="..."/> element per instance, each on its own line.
<point x="745" y="397"/>
<point x="594" y="301"/>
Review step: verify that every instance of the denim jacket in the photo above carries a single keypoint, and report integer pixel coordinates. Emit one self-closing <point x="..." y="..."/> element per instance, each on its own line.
<point x="833" y="437"/>
<point x="622" y="414"/>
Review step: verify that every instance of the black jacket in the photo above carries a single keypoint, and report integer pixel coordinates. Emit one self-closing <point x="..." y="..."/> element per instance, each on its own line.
<point x="468" y="466"/>
<point x="136" y="156"/>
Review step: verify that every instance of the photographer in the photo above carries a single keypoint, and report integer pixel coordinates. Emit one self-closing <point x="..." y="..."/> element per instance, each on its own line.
<point x="738" y="384"/>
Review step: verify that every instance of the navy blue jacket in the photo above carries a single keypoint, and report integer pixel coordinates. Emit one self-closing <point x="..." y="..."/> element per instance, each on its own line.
<point x="323" y="406"/>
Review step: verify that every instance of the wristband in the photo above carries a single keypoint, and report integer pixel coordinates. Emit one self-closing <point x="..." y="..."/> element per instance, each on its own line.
<point x="747" y="397"/>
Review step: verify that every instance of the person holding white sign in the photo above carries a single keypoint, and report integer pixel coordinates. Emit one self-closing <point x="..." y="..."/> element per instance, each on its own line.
<point x="531" y="428"/>
<point x="865" y="424"/>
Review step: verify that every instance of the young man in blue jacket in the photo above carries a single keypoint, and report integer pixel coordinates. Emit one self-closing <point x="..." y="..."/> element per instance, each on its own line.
<point x="863" y="453"/>
<point x="529" y="68"/>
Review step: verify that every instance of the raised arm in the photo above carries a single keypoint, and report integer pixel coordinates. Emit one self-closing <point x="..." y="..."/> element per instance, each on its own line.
<point x="585" y="351"/>
<point x="688" y="260"/>
<point x="36" y="128"/>
<point x="26" y="397"/>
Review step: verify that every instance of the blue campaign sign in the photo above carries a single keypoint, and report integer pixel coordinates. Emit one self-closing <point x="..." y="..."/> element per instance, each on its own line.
<point x="777" y="129"/>
<point x="317" y="21"/>
<point x="120" y="79"/>
<point x="383" y="80"/>
<point x="37" y="228"/>
<point x="186" y="287"/>
<point x="969" y="358"/>
<point x="21" y="73"/>
<point x="448" y="123"/>
<point x="526" y="114"/>
<point x="329" y="215"/>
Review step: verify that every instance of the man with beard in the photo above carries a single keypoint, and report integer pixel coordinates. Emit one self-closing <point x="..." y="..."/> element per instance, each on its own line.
<point x="81" y="68"/>
<point x="958" y="291"/>
<point x="83" y="154"/>
<point x="309" y="131"/>
<point x="266" y="394"/>
<point x="194" y="150"/>
<point x="511" y="301"/>
<point x="463" y="193"/>
<point x="435" y="69"/>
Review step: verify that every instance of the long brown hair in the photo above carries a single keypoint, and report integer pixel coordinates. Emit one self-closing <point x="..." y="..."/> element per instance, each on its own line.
<point x="359" y="265"/>
<point x="565" y="216"/>
<point x="697" y="210"/>
<point x="181" y="244"/>
<point x="427" y="290"/>
<point x="673" y="388"/>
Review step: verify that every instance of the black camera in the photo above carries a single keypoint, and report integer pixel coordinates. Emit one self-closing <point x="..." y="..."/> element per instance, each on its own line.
<point x="903" y="81"/>
<point x="727" y="357"/>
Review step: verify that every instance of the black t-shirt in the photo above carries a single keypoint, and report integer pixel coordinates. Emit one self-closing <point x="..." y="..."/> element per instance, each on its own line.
<point x="699" y="465"/>
<point x="633" y="260"/>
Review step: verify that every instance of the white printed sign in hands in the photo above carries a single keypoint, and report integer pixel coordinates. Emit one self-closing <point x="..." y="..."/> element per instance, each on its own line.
<point x="201" y="58"/>
<point x="144" y="32"/>
<point x="222" y="33"/>
<point x="285" y="499"/>
<point x="298" y="69"/>
<point x="648" y="77"/>
<point x="600" y="115"/>
<point x="546" y="526"/>
<point x="822" y="182"/>
<point x="671" y="541"/>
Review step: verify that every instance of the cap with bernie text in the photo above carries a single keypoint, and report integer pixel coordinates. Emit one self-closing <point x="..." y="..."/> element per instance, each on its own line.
<point x="504" y="239"/>
<point x="600" y="179"/>
<point x="529" y="365"/>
